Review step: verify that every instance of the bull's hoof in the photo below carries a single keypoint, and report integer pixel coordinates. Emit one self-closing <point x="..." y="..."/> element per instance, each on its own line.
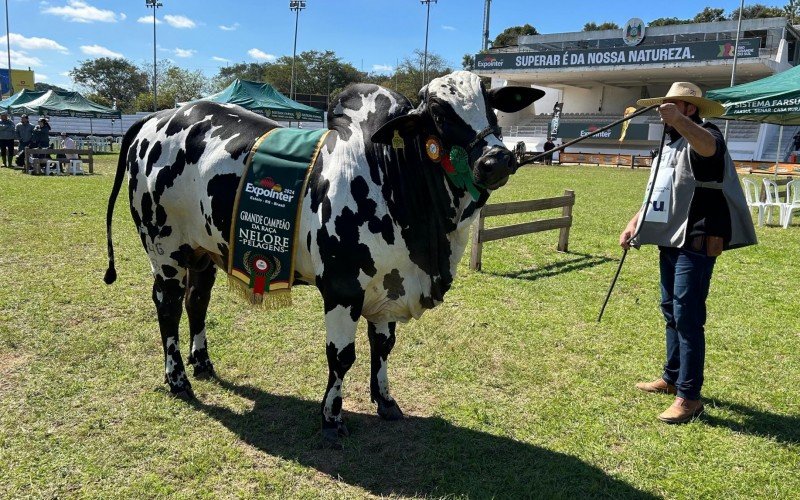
<point x="185" y="394"/>
<point x="204" y="371"/>
<point x="332" y="434"/>
<point x="331" y="439"/>
<point x="388" y="410"/>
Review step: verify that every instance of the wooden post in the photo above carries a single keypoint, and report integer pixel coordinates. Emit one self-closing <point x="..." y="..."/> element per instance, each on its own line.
<point x="477" y="246"/>
<point x="563" y="236"/>
<point x="91" y="161"/>
<point x="26" y="163"/>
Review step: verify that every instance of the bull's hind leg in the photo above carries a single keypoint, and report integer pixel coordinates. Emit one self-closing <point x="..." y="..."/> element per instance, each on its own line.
<point x="198" y="294"/>
<point x="340" y="323"/>
<point x="168" y="298"/>
<point x="381" y="341"/>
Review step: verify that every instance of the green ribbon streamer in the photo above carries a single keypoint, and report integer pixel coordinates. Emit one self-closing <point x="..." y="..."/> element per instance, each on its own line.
<point x="462" y="177"/>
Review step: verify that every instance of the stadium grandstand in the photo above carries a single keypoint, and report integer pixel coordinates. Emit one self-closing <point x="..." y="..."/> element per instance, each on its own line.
<point x="590" y="78"/>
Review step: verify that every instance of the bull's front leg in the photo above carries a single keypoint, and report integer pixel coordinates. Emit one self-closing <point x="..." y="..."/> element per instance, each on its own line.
<point x="381" y="341"/>
<point x="340" y="324"/>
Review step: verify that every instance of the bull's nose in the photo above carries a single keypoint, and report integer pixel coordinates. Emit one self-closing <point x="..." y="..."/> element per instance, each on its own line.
<point x="494" y="168"/>
<point x="497" y="160"/>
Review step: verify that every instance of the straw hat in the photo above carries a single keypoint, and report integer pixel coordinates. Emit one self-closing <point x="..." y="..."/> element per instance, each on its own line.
<point x="691" y="93"/>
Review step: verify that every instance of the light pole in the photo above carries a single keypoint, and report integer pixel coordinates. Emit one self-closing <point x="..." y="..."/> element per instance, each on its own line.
<point x="296" y="6"/>
<point x="154" y="4"/>
<point x="425" y="56"/>
<point x="8" y="46"/>
<point x="733" y="69"/>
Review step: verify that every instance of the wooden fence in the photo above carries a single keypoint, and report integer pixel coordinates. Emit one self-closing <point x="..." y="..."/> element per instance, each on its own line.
<point x="605" y="159"/>
<point x="481" y="235"/>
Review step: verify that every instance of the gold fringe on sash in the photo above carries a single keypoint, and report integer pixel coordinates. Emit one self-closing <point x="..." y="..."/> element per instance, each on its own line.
<point x="275" y="299"/>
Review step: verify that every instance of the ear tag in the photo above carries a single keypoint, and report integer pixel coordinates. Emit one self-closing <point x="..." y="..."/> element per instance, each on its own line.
<point x="433" y="148"/>
<point x="397" y="141"/>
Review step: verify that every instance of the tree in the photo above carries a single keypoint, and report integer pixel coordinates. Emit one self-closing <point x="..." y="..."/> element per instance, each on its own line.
<point x="709" y="15"/>
<point x="757" y="11"/>
<point x="144" y="101"/>
<point x="407" y="78"/>
<point x="468" y="62"/>
<point x="608" y="25"/>
<point x="244" y="71"/>
<point x="792" y="10"/>
<point x="175" y="83"/>
<point x="668" y="21"/>
<point x="111" y="78"/>
<point x="315" y="73"/>
<point x="40" y="86"/>
<point x="510" y="35"/>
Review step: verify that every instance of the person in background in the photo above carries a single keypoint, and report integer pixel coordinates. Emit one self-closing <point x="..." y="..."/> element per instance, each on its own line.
<point x="40" y="138"/>
<point x="23" y="133"/>
<point x="68" y="142"/>
<point x="548" y="146"/>
<point x="6" y="139"/>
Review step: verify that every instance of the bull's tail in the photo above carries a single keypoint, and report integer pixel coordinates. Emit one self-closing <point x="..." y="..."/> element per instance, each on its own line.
<point x="111" y="272"/>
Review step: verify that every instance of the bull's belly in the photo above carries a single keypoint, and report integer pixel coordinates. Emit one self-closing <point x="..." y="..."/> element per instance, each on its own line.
<point x="380" y="305"/>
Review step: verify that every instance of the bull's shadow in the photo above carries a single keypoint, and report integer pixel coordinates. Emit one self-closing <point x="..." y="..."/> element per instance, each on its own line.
<point x="415" y="456"/>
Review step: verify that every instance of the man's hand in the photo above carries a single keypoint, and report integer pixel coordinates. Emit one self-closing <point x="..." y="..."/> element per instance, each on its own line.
<point x="627" y="234"/>
<point x="670" y="113"/>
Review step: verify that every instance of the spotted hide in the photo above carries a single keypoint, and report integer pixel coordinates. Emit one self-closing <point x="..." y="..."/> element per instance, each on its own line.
<point x="381" y="229"/>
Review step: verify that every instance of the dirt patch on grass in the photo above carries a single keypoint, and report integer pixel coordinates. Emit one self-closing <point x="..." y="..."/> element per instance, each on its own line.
<point x="10" y="363"/>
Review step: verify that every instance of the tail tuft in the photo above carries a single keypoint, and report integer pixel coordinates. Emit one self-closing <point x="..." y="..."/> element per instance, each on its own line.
<point x="111" y="274"/>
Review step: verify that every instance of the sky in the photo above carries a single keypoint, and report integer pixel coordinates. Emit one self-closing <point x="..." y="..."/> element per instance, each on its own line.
<point x="54" y="36"/>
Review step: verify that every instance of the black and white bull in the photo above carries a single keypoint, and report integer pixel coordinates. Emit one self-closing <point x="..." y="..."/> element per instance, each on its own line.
<point x="381" y="229"/>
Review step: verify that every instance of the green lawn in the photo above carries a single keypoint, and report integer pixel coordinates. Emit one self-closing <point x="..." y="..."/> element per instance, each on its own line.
<point x="510" y="387"/>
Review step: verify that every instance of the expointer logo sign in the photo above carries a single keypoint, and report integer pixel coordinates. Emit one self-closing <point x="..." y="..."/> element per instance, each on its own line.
<point x="488" y="62"/>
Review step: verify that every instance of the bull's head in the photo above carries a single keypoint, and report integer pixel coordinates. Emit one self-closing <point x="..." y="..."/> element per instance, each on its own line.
<point x="458" y="111"/>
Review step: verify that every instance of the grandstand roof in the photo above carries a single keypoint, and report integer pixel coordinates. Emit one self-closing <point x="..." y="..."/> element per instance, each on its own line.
<point x="697" y="52"/>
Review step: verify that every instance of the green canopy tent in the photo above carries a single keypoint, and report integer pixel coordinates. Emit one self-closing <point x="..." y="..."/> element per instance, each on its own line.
<point x="21" y="97"/>
<point x="774" y="99"/>
<point x="57" y="103"/>
<point x="54" y="103"/>
<point x="262" y="98"/>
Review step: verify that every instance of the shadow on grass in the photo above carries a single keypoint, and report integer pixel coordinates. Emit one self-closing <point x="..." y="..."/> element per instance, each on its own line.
<point x="783" y="428"/>
<point x="581" y="261"/>
<point x="415" y="456"/>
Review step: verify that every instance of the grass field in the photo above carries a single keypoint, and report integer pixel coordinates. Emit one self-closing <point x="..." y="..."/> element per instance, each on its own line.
<point x="511" y="388"/>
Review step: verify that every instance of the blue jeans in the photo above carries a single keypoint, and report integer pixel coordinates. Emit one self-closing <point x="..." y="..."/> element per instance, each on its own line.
<point x="685" y="279"/>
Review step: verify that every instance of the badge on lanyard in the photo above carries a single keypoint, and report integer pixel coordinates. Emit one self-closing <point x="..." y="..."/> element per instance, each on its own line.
<point x="662" y="185"/>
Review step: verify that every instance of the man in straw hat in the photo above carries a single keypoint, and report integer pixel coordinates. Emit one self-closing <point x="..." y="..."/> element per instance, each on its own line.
<point x="697" y="209"/>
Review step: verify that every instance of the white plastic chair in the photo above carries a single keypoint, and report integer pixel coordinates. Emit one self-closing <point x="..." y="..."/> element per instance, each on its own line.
<point x="773" y="200"/>
<point x="751" y="195"/>
<point x="75" y="167"/>
<point x="51" y="167"/>
<point x="792" y="202"/>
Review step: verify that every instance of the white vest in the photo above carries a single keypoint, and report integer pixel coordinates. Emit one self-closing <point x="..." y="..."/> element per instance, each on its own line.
<point x="666" y="217"/>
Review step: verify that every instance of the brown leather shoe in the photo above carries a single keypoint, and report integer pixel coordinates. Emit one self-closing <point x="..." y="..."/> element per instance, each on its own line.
<point x="659" y="386"/>
<point x="682" y="411"/>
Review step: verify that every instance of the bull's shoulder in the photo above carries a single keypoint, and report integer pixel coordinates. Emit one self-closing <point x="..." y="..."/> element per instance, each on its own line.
<point x="365" y="106"/>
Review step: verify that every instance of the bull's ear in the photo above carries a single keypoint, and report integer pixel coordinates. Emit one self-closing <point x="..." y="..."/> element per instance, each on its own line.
<point x="513" y="99"/>
<point x="405" y="125"/>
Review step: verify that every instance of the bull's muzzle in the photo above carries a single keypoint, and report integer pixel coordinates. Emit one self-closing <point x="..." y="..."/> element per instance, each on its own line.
<point x="493" y="168"/>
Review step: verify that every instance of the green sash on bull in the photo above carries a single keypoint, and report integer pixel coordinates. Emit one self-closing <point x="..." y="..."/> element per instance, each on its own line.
<point x="266" y="214"/>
